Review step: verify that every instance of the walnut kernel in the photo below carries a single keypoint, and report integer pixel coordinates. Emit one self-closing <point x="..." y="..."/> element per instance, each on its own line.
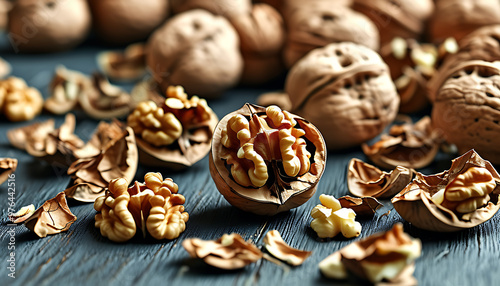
<point x="20" y="102"/>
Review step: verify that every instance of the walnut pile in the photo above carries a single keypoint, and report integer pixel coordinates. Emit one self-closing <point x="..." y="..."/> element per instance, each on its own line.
<point x="18" y="102"/>
<point x="153" y="207"/>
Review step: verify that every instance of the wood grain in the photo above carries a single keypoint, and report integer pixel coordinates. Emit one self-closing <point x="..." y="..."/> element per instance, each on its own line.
<point x="82" y="256"/>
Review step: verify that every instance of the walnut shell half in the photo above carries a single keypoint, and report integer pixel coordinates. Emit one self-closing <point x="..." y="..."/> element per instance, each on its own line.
<point x="281" y="175"/>
<point x="419" y="204"/>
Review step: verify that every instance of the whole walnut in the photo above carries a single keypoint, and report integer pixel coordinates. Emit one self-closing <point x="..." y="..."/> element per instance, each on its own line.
<point x="318" y="24"/>
<point x="346" y="91"/>
<point x="197" y="50"/>
<point x="47" y="25"/>
<point x="466" y="108"/>
<point x="5" y="6"/>
<point x="457" y="18"/>
<point x="396" y="18"/>
<point x="262" y="36"/>
<point x="217" y="7"/>
<point x="127" y="21"/>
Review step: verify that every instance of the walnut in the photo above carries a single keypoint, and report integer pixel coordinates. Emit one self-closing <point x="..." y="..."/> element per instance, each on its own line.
<point x="154" y="207"/>
<point x="111" y="153"/>
<point x="209" y="61"/>
<point x="18" y="101"/>
<point x="127" y="65"/>
<point x="271" y="158"/>
<point x="343" y="88"/>
<point x="466" y="108"/>
<point x="43" y="140"/>
<point x="53" y="216"/>
<point x="275" y="245"/>
<point x="462" y="197"/>
<point x="399" y="18"/>
<point x="387" y="256"/>
<point x="365" y="180"/>
<point x="330" y="219"/>
<point x="7" y="167"/>
<point x="408" y="145"/>
<point x="315" y="24"/>
<point x="225" y="8"/>
<point x="230" y="251"/>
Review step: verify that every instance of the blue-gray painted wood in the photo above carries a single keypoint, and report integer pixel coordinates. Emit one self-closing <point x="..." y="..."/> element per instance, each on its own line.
<point x="81" y="256"/>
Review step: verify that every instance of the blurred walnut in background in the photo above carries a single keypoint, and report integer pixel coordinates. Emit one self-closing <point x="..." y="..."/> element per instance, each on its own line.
<point x="217" y="7"/>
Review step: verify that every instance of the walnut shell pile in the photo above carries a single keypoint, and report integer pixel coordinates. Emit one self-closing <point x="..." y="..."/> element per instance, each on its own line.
<point x="317" y="24"/>
<point x="47" y="25"/>
<point x="396" y="18"/>
<point x="197" y="50"/>
<point x="127" y="21"/>
<point x="346" y="91"/>
<point x="466" y="109"/>
<point x="457" y="18"/>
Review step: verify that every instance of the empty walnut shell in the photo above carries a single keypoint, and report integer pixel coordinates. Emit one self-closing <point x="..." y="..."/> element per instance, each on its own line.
<point x="400" y="18"/>
<point x="197" y="50"/>
<point x="365" y="180"/>
<point x="262" y="36"/>
<point x="346" y="91"/>
<point x="467" y="108"/>
<point x="457" y="18"/>
<point x="316" y="25"/>
<point x="47" y="25"/>
<point x="408" y="145"/>
<point x="415" y="203"/>
<point x="127" y="21"/>
<point x="280" y="192"/>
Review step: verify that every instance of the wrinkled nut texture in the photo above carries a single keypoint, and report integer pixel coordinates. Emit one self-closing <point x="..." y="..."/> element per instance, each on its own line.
<point x="330" y="219"/>
<point x="458" y="18"/>
<point x="400" y="18"/>
<point x="20" y="102"/>
<point x="466" y="109"/>
<point x="316" y="25"/>
<point x="209" y="61"/>
<point x="154" y="206"/>
<point x="48" y="26"/>
<point x="227" y="8"/>
<point x="346" y="89"/>
<point x="382" y="256"/>
<point x="462" y="197"/>
<point x="273" y="156"/>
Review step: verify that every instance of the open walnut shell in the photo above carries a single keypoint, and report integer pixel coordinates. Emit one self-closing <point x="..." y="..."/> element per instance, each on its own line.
<point x="111" y="153"/>
<point x="275" y="245"/>
<point x="127" y="65"/>
<point x="274" y="163"/>
<point x="408" y="145"/>
<point x="418" y="202"/>
<point x="176" y="133"/>
<point x="466" y="108"/>
<point x="54" y="216"/>
<point x="65" y="89"/>
<point x="229" y="252"/>
<point x="7" y="167"/>
<point x="43" y="140"/>
<point x="365" y="180"/>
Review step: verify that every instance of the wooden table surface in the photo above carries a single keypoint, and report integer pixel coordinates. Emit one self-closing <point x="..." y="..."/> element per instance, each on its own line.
<point x="82" y="256"/>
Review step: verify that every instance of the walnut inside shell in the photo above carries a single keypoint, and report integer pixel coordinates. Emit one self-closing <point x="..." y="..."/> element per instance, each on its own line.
<point x="266" y="161"/>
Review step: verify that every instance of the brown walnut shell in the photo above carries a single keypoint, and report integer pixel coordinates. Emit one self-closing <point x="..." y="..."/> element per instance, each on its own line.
<point x="280" y="193"/>
<point x="415" y="205"/>
<point x="466" y="109"/>
<point x="7" y="167"/>
<point x="343" y="88"/>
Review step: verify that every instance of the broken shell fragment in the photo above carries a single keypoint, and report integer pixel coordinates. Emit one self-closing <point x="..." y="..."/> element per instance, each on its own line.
<point x="22" y="214"/>
<point x="408" y="145"/>
<point x="65" y="89"/>
<point x="54" y="216"/>
<point x="265" y="160"/>
<point x="365" y="180"/>
<point x="127" y="65"/>
<point x="275" y="245"/>
<point x="365" y="206"/>
<point x="7" y="167"/>
<point x="230" y="251"/>
<point x="111" y="153"/>
<point x="387" y="256"/>
<point x="462" y="197"/>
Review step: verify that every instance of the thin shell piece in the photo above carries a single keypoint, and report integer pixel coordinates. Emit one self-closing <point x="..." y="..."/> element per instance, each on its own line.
<point x="365" y="180"/>
<point x="365" y="206"/>
<point x="7" y="167"/>
<point x="275" y="245"/>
